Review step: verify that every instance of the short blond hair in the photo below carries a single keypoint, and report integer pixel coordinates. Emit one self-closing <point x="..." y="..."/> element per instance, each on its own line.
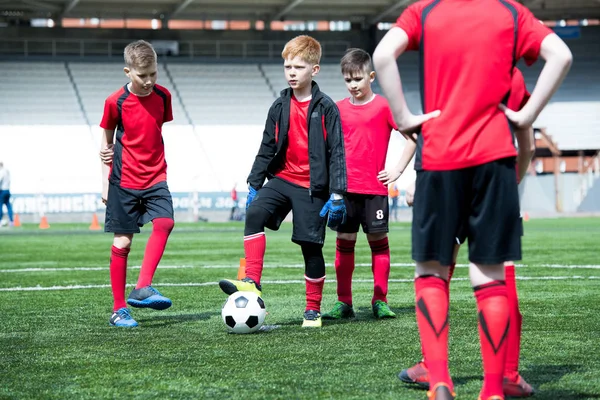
<point x="139" y="54"/>
<point x="305" y="47"/>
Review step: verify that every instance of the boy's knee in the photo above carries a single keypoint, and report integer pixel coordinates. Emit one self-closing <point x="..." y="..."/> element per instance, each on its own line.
<point x="373" y="237"/>
<point x="313" y="260"/>
<point x="163" y="224"/>
<point x="123" y="241"/>
<point x="256" y="219"/>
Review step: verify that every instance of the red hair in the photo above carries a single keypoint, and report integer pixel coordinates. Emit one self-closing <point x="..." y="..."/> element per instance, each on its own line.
<point x="305" y="47"/>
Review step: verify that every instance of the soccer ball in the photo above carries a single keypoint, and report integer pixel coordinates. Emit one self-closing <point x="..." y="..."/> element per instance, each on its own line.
<point x="243" y="312"/>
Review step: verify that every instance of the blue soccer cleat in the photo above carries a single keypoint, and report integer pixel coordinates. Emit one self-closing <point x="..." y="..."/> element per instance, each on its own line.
<point x="148" y="297"/>
<point x="122" y="319"/>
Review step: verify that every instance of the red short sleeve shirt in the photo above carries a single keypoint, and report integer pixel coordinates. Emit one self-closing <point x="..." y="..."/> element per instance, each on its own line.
<point x="367" y="130"/>
<point x="139" y="153"/>
<point x="468" y="50"/>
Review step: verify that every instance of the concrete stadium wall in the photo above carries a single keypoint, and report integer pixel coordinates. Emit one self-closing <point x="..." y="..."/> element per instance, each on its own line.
<point x="537" y="193"/>
<point x="54" y="160"/>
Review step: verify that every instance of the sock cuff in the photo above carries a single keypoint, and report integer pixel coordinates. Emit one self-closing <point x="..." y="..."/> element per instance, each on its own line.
<point x="315" y="280"/>
<point x="344" y="245"/>
<point x="120" y="252"/>
<point x="430" y="281"/>
<point x="491" y="289"/>
<point x="380" y="246"/>
<point x="254" y="236"/>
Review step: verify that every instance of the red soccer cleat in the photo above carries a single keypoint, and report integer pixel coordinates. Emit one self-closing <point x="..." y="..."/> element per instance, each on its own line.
<point x="517" y="387"/>
<point x="417" y="374"/>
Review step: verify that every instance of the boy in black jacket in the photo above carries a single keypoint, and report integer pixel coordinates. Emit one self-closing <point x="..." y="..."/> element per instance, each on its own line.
<point x="302" y="155"/>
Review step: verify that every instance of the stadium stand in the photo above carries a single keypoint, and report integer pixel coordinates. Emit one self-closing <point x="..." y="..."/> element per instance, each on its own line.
<point x="222" y="93"/>
<point x="219" y="113"/>
<point x="38" y="94"/>
<point x="96" y="81"/>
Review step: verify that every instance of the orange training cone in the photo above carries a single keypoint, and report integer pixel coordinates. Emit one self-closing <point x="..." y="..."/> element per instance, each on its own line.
<point x="242" y="269"/>
<point x="17" y="221"/>
<point x="95" y="226"/>
<point x="44" y="223"/>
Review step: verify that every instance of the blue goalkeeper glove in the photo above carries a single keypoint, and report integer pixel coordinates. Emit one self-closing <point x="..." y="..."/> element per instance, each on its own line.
<point x="336" y="209"/>
<point x="251" y="195"/>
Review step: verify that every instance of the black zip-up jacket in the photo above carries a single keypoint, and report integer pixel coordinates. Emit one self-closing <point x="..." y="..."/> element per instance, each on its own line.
<point x="326" y="154"/>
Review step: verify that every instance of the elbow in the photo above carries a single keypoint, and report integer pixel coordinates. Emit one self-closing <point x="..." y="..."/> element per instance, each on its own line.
<point x="530" y="154"/>
<point x="564" y="57"/>
<point x="380" y="59"/>
<point x="568" y="58"/>
<point x="532" y="150"/>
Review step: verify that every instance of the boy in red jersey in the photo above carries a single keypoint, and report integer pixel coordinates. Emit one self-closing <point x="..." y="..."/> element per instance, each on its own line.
<point x="134" y="175"/>
<point x="367" y="123"/>
<point x="302" y="155"/>
<point x="514" y="385"/>
<point x="466" y="159"/>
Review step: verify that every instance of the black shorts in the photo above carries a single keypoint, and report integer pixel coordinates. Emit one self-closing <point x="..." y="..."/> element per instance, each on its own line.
<point x="367" y="210"/>
<point x="480" y="203"/>
<point x="128" y="209"/>
<point x="461" y="237"/>
<point x="279" y="197"/>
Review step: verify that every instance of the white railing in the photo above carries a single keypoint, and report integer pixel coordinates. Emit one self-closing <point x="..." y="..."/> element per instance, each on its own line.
<point x="190" y="49"/>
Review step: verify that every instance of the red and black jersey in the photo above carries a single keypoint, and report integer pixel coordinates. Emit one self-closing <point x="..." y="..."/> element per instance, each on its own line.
<point x="296" y="167"/>
<point x="468" y="50"/>
<point x="367" y="129"/>
<point x="139" y="153"/>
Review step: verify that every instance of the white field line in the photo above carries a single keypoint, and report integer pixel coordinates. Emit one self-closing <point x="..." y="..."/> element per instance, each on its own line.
<point x="229" y="266"/>
<point x="277" y="282"/>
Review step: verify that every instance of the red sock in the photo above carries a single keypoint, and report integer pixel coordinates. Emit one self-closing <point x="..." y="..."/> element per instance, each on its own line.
<point x="380" y="265"/>
<point x="254" y="247"/>
<point x="344" y="268"/>
<point x="511" y="369"/>
<point x="118" y="276"/>
<point x="314" y="293"/>
<point x="161" y="229"/>
<point x="432" y="320"/>
<point x="492" y="307"/>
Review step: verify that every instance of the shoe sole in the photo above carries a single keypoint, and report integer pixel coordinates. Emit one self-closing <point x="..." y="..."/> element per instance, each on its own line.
<point x="332" y="318"/>
<point x="403" y="376"/>
<point x="153" y="304"/>
<point x="385" y="316"/>
<point x="519" y="395"/>
<point x="123" y="326"/>
<point x="311" y="324"/>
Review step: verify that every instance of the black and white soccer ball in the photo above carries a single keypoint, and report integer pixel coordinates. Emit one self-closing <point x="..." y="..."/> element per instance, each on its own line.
<point x="244" y="312"/>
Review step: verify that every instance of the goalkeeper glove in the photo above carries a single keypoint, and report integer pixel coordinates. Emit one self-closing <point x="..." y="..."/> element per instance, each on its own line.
<point x="251" y="195"/>
<point x="336" y="208"/>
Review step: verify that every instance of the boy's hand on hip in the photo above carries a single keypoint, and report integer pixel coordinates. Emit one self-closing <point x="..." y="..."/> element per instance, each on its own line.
<point x="412" y="123"/>
<point x="519" y="119"/>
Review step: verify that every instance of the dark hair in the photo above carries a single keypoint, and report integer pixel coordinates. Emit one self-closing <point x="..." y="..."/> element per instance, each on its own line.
<point x="356" y="61"/>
